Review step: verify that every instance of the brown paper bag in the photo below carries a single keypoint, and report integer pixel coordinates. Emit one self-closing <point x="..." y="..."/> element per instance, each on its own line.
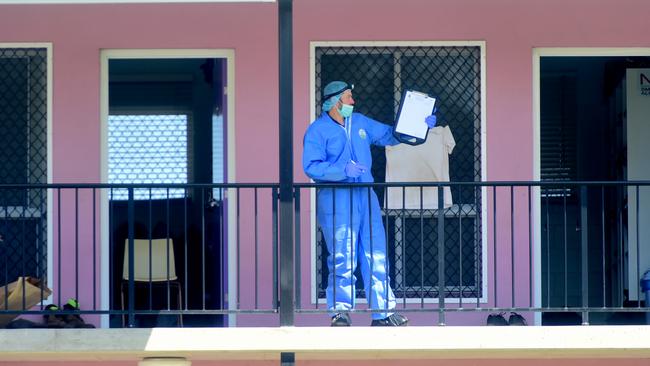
<point x="11" y="296"/>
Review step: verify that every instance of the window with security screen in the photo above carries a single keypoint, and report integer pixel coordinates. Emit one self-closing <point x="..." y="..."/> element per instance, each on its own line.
<point x="452" y="74"/>
<point x="23" y="153"/>
<point x="147" y="149"/>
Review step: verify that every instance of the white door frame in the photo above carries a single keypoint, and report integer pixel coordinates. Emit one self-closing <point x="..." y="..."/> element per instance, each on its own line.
<point x="111" y="54"/>
<point x="538" y="53"/>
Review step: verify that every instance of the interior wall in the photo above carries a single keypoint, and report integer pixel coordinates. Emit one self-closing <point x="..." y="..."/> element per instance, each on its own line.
<point x="638" y="150"/>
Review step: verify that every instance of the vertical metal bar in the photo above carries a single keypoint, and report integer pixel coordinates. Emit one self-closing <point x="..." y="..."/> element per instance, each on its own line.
<point x="238" y="250"/>
<point x="318" y="259"/>
<point x="285" y="52"/>
<point x="94" y="250"/>
<point x="168" y="284"/>
<point x="530" y="248"/>
<point x="3" y="257"/>
<point x="76" y="242"/>
<point x="203" y="266"/>
<point x="131" y="229"/>
<point x="478" y="192"/>
<point x="494" y="251"/>
<point x="111" y="250"/>
<point x="297" y="272"/>
<point x="602" y="228"/>
<point x="372" y="249"/>
<point x="185" y="248"/>
<point x="441" y="256"/>
<point x="548" y="252"/>
<point x="39" y="240"/>
<point x="332" y="256"/>
<point x="58" y="260"/>
<point x="274" y="245"/>
<point x="460" y="250"/>
<point x="512" y="244"/>
<point x="566" y="253"/>
<point x="584" y="241"/>
<point x="150" y="255"/>
<point x="23" y="242"/>
<point x="402" y="218"/>
<point x="619" y="249"/>
<point x="422" y="248"/>
<point x="638" y="249"/>
<point x="256" y="250"/>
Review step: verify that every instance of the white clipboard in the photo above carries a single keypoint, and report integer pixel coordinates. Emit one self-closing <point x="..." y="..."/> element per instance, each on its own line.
<point x="410" y="127"/>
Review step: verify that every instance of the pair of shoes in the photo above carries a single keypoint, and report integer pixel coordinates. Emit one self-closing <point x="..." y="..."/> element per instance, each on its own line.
<point x="395" y="320"/>
<point x="499" y="319"/>
<point x="54" y="320"/>
<point x="341" y="320"/>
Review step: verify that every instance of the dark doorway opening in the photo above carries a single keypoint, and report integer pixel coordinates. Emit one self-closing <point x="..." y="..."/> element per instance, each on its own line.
<point x="166" y="125"/>
<point x="583" y="138"/>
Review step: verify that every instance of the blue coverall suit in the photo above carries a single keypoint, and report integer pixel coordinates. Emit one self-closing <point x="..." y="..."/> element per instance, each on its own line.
<point x="328" y="147"/>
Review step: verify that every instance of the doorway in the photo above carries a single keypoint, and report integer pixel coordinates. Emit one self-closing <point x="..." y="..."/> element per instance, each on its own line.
<point x="583" y="136"/>
<point x="166" y="123"/>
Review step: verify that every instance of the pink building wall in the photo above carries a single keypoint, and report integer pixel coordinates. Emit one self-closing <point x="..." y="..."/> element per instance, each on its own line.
<point x="510" y="29"/>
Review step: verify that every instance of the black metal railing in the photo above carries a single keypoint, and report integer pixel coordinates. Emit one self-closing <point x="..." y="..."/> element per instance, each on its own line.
<point x="192" y="254"/>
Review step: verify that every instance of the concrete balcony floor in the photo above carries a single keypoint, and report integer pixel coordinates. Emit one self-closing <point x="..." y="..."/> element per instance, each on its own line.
<point x="325" y="343"/>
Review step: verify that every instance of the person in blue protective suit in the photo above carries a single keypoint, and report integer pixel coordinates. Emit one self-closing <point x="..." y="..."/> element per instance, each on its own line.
<point x="336" y="148"/>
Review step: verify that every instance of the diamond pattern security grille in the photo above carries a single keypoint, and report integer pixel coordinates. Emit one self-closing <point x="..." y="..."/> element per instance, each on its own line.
<point x="23" y="152"/>
<point x="451" y="74"/>
<point x="147" y="149"/>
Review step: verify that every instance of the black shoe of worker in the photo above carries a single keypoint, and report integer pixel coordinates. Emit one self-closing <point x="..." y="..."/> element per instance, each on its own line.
<point x="394" y="320"/>
<point x="341" y="320"/>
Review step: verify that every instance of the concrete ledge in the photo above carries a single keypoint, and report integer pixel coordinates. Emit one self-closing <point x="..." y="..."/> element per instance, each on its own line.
<point x="326" y="343"/>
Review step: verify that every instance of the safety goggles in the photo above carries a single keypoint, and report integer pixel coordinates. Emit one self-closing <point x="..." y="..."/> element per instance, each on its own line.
<point x="346" y="87"/>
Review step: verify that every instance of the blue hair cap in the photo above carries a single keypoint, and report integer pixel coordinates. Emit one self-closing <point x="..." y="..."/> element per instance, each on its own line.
<point x="332" y="93"/>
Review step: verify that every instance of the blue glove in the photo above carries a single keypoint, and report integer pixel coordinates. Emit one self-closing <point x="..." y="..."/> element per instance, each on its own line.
<point x="431" y="120"/>
<point x="354" y="170"/>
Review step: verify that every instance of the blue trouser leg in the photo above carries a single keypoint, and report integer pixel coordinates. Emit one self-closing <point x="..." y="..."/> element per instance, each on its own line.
<point x="355" y="229"/>
<point x="339" y="221"/>
<point x="372" y="246"/>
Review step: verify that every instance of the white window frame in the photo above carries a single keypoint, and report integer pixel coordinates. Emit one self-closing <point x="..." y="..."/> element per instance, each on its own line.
<point x="111" y="54"/>
<point x="312" y="115"/>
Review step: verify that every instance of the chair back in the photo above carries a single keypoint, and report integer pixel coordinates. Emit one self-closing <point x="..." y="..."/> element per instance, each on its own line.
<point x="142" y="262"/>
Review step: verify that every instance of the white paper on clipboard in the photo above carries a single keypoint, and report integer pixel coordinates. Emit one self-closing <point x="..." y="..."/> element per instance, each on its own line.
<point x="416" y="107"/>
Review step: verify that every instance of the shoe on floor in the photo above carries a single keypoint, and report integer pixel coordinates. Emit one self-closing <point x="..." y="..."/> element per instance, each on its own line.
<point x="341" y="320"/>
<point x="496" y="319"/>
<point x="395" y="320"/>
<point x="53" y="320"/>
<point x="74" y="320"/>
<point x="516" y="319"/>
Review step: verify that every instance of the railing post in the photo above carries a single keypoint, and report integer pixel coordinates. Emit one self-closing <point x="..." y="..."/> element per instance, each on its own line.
<point x="285" y="51"/>
<point x="441" y="255"/>
<point x="584" y="245"/>
<point x="297" y="272"/>
<point x="131" y="221"/>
